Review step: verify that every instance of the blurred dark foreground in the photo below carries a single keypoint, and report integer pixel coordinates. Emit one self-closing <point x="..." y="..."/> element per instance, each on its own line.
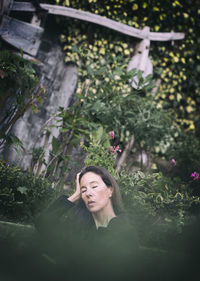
<point x="23" y="257"/>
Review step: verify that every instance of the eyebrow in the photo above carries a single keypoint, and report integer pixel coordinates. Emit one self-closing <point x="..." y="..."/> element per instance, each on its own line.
<point x="89" y="183"/>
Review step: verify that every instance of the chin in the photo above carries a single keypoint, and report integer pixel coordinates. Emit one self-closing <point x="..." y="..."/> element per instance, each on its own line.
<point x="94" y="210"/>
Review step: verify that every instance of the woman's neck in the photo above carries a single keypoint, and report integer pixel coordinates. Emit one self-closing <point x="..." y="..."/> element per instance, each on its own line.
<point x="103" y="217"/>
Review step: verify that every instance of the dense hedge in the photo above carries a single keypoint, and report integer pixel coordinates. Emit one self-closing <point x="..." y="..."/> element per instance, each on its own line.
<point x="22" y="195"/>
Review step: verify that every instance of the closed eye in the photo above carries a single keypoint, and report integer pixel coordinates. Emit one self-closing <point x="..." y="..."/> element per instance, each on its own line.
<point x="95" y="186"/>
<point x="83" y="190"/>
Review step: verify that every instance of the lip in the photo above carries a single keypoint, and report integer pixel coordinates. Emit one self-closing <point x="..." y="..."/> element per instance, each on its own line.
<point x="90" y="203"/>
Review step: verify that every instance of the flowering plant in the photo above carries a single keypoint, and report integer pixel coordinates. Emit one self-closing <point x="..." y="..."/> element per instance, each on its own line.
<point x="195" y="176"/>
<point x="173" y="162"/>
<point x="100" y="151"/>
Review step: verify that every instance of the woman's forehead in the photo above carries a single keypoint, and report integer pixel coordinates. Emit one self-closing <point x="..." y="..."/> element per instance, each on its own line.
<point x="90" y="178"/>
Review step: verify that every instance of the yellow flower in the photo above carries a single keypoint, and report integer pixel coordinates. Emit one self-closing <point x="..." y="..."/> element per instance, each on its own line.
<point x="126" y="52"/>
<point x="191" y="127"/>
<point x="125" y="45"/>
<point x="102" y="51"/>
<point x="189" y="109"/>
<point x="185" y="15"/>
<point x="135" y="7"/>
<point x="183" y="60"/>
<point x="116" y="77"/>
<point x="154" y="166"/>
<point x="78" y="91"/>
<point x="156" y="9"/>
<point x="175" y="59"/>
<point x="66" y="2"/>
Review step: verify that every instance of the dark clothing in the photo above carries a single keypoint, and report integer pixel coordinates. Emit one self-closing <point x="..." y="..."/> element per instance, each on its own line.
<point x="75" y="250"/>
<point x="72" y="240"/>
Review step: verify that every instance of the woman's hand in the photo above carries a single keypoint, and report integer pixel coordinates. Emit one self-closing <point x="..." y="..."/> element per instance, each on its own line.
<point x="77" y="194"/>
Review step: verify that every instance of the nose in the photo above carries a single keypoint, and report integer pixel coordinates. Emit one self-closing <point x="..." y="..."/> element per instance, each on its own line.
<point x="88" y="192"/>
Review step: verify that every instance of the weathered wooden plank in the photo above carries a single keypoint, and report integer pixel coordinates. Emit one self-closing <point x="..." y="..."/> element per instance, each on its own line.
<point x="5" y="6"/>
<point x="166" y="36"/>
<point x="86" y="16"/>
<point x="21" y="34"/>
<point x="23" y="6"/>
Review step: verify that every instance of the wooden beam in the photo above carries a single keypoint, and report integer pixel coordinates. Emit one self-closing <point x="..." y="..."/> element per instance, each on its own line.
<point x="86" y="16"/>
<point x="21" y="34"/>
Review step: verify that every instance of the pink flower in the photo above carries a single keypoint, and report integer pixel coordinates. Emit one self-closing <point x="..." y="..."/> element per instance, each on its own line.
<point x="112" y="149"/>
<point x="112" y="134"/>
<point x="173" y="162"/>
<point x="195" y="176"/>
<point x="117" y="148"/>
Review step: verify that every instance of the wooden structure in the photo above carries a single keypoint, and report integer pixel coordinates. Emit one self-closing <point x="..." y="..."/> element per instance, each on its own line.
<point x="27" y="35"/>
<point x="20" y="34"/>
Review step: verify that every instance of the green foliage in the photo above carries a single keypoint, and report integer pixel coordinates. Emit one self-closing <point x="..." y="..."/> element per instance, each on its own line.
<point x="168" y="200"/>
<point x="17" y="92"/>
<point x="158" y="206"/>
<point x="175" y="63"/>
<point x="22" y="195"/>
<point x="186" y="150"/>
<point x="98" y="151"/>
<point x="125" y="112"/>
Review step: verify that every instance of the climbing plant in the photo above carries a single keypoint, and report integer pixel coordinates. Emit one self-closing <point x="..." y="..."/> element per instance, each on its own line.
<point x="175" y="63"/>
<point x="18" y="92"/>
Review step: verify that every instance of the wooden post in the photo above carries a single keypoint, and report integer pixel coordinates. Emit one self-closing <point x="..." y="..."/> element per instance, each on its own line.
<point x="141" y="60"/>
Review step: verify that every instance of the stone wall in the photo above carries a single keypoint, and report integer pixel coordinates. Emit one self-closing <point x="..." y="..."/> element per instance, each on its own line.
<point x="59" y="81"/>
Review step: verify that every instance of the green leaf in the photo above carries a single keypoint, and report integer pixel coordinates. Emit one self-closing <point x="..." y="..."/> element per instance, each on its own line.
<point x="55" y="145"/>
<point x="101" y="71"/>
<point x="22" y="190"/>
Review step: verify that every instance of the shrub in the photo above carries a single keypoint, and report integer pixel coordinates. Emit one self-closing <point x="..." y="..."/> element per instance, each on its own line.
<point x="22" y="195"/>
<point x="160" y="206"/>
<point x="186" y="150"/>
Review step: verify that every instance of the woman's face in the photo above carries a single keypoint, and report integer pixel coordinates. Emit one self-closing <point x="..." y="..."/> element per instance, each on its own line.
<point x="95" y="194"/>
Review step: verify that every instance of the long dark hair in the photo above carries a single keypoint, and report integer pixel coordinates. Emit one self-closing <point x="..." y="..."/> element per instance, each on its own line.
<point x="109" y="182"/>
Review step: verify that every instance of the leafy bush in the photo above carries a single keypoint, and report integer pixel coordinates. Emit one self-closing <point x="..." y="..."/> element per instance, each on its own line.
<point x="98" y="151"/>
<point x="132" y="111"/>
<point x="160" y="206"/>
<point x="186" y="150"/>
<point x="21" y="194"/>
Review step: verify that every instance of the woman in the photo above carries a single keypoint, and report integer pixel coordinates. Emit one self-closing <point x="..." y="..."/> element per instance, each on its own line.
<point x="97" y="191"/>
<point x="97" y="226"/>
